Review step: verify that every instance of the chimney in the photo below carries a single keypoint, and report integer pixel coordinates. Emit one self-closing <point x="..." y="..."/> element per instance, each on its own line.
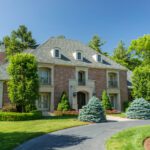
<point x="2" y="53"/>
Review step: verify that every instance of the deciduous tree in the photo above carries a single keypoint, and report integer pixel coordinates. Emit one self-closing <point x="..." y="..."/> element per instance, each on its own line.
<point x="23" y="84"/>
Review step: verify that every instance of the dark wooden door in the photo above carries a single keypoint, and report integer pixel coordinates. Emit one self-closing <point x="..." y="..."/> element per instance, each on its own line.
<point x="81" y="99"/>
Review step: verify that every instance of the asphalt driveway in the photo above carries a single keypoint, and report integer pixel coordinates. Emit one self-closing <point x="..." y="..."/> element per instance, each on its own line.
<point x="89" y="137"/>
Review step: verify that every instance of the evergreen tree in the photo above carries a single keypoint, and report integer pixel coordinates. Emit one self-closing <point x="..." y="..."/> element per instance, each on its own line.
<point x="64" y="103"/>
<point x="18" y="41"/>
<point x="23" y="86"/>
<point x="92" y="112"/>
<point x="105" y="101"/>
<point x="96" y="43"/>
<point x="139" y="109"/>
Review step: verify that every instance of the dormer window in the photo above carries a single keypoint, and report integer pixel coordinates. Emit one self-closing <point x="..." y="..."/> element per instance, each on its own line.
<point x="99" y="58"/>
<point x="79" y="56"/>
<point x="57" y="53"/>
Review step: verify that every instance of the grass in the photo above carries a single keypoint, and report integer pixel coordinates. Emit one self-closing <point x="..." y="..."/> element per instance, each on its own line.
<point x="14" y="133"/>
<point x="122" y="115"/>
<point x="129" y="139"/>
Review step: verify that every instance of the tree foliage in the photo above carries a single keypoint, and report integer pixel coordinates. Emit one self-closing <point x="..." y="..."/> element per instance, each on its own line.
<point x="18" y="41"/>
<point x="140" y="48"/>
<point x="139" y="109"/>
<point x="64" y="103"/>
<point x="23" y="86"/>
<point x="141" y="82"/>
<point x="92" y="112"/>
<point x="96" y="43"/>
<point x="124" y="58"/>
<point x="105" y="101"/>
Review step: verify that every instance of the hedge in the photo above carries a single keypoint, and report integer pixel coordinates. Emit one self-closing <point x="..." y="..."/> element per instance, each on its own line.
<point x="14" y="116"/>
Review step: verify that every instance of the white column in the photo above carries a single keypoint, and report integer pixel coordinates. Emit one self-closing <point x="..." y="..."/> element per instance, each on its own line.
<point x="1" y="94"/>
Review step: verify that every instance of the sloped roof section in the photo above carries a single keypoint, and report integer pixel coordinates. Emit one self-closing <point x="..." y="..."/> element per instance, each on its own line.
<point x="67" y="48"/>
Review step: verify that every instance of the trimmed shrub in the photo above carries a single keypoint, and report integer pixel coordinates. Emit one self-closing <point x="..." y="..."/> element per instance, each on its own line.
<point x="139" y="109"/>
<point x="92" y="112"/>
<point x="9" y="108"/>
<point x="14" y="116"/>
<point x="64" y="103"/>
<point x="105" y="101"/>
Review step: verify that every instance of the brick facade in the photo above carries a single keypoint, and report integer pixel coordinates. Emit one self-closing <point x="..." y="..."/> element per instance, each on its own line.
<point x="62" y="74"/>
<point x="123" y="87"/>
<point x="99" y="75"/>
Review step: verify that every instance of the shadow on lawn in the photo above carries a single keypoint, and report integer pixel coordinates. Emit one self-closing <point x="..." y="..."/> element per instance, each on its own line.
<point x="52" y="142"/>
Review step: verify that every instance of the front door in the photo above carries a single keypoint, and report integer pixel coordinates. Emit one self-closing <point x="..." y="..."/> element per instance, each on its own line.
<point x="44" y="102"/>
<point x="81" y="99"/>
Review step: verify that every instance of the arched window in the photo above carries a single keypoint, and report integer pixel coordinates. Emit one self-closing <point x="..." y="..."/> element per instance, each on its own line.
<point x="57" y="54"/>
<point x="79" y="55"/>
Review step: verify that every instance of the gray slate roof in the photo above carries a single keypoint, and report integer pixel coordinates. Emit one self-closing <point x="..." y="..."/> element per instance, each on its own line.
<point x="67" y="48"/>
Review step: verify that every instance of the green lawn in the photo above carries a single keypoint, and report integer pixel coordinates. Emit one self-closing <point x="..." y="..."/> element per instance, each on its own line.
<point x="122" y="115"/>
<point x="14" y="133"/>
<point x="129" y="139"/>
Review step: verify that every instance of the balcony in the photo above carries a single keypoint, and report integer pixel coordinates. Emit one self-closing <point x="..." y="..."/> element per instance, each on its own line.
<point x="81" y="82"/>
<point x="112" y="84"/>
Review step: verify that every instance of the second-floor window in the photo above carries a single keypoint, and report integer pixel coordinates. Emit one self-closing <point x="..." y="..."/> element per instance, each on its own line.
<point x="81" y="77"/>
<point x="113" y="80"/>
<point x="45" y="76"/>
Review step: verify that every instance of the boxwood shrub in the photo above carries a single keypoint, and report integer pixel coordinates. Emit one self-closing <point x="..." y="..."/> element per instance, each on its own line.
<point x="139" y="109"/>
<point x="14" y="116"/>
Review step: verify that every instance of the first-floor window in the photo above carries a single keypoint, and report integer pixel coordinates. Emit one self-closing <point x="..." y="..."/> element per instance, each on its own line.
<point x="44" y="101"/>
<point x="113" y="100"/>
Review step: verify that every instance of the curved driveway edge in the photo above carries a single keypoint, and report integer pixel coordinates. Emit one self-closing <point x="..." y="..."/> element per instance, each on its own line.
<point x="88" y="137"/>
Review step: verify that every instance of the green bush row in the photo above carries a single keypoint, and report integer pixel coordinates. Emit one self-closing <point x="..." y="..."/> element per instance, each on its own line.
<point x="14" y="116"/>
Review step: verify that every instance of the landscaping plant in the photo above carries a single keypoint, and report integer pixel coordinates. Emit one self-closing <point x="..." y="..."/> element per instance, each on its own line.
<point x="139" y="109"/>
<point x="92" y="112"/>
<point x="64" y="103"/>
<point x="23" y="86"/>
<point x="105" y="101"/>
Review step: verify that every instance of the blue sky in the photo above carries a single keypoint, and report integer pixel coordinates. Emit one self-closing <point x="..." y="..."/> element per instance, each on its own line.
<point x="112" y="20"/>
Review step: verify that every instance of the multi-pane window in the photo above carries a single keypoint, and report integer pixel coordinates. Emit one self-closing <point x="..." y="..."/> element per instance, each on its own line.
<point x="99" y="59"/>
<point x="113" y="80"/>
<point x="45" y="76"/>
<point x="81" y="77"/>
<point x="113" y="100"/>
<point x="79" y="56"/>
<point x="44" y="101"/>
<point x="57" y="53"/>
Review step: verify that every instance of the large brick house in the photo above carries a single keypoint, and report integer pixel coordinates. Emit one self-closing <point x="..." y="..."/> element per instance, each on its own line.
<point x="67" y="65"/>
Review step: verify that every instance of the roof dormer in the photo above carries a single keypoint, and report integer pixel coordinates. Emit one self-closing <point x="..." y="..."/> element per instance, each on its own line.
<point x="55" y="52"/>
<point x="78" y="55"/>
<point x="97" y="57"/>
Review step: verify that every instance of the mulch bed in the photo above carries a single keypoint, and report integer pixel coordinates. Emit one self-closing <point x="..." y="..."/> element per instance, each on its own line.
<point x="147" y="144"/>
